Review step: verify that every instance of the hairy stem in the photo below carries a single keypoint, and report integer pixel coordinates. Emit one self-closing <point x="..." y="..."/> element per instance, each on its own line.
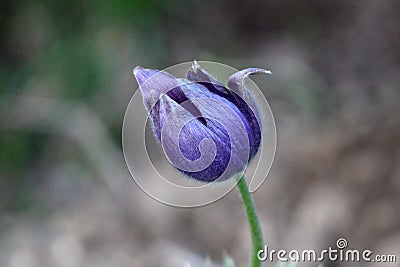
<point x="255" y="230"/>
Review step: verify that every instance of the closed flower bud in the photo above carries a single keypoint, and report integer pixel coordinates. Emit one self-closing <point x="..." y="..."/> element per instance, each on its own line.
<point x="207" y="131"/>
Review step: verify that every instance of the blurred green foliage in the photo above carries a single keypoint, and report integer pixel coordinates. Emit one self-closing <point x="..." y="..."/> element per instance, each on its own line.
<point x="17" y="151"/>
<point x="56" y="40"/>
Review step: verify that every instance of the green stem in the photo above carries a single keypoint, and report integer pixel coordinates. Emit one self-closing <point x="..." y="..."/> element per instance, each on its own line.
<point x="255" y="230"/>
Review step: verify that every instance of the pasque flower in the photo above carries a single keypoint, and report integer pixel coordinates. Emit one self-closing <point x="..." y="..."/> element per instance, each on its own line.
<point x="207" y="130"/>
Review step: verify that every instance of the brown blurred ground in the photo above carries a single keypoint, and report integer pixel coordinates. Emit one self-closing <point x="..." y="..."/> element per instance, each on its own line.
<point x="66" y="197"/>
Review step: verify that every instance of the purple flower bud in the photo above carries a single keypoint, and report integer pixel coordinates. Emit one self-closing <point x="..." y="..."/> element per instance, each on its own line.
<point x="207" y="131"/>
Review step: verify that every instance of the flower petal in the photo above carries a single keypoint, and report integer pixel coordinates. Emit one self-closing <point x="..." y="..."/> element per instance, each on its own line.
<point x="237" y="95"/>
<point x="197" y="74"/>
<point x="205" y="153"/>
<point x="236" y="81"/>
<point x="153" y="84"/>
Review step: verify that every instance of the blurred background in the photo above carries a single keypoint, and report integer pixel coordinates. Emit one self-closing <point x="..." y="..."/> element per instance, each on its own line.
<point x="66" y="197"/>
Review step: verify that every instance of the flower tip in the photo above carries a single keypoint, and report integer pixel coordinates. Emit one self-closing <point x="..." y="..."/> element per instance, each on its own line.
<point x="142" y="74"/>
<point x="195" y="66"/>
<point x="136" y="70"/>
<point x="252" y="71"/>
